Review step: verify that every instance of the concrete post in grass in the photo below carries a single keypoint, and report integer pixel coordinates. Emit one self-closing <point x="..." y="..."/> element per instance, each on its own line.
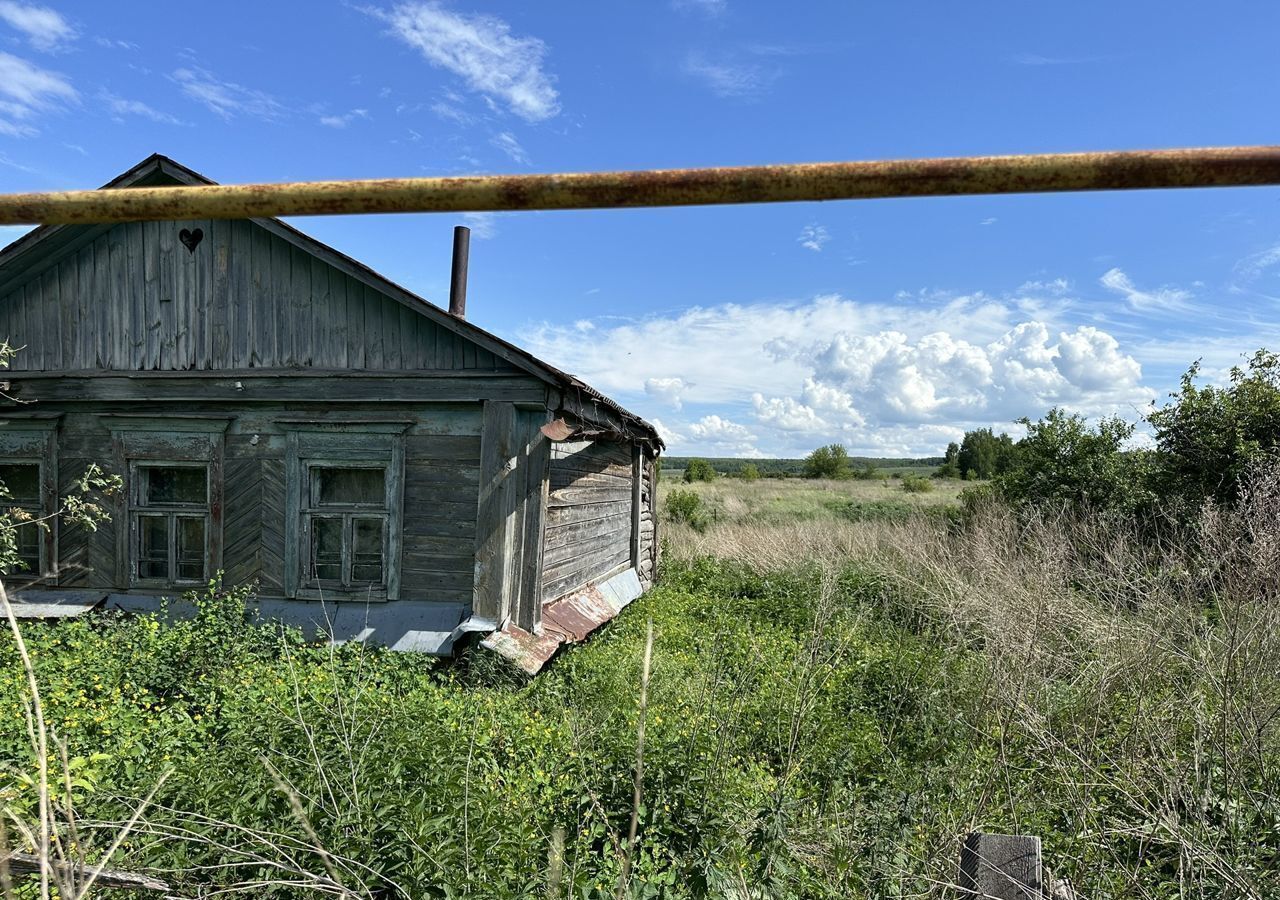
<point x="1001" y="867"/>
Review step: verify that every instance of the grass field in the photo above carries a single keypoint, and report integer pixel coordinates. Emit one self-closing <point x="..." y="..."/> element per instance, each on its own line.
<point x="846" y="679"/>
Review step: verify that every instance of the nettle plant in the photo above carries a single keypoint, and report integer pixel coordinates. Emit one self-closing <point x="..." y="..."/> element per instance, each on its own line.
<point x="81" y="505"/>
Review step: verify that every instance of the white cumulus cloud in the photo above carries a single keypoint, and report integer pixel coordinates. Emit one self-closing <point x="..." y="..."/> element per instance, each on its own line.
<point x="483" y="52"/>
<point x="898" y="378"/>
<point x="668" y="391"/>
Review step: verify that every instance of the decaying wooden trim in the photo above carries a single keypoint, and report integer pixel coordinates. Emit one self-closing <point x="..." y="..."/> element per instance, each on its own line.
<point x="27" y="864"/>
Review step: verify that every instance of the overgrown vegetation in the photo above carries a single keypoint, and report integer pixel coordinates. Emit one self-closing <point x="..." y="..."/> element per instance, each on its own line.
<point x="848" y="675"/>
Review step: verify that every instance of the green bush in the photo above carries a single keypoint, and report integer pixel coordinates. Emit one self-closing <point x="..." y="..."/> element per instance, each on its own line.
<point x="698" y="470"/>
<point x="1063" y="462"/>
<point x="831" y="461"/>
<point x="916" y="484"/>
<point x="749" y="472"/>
<point x="686" y="507"/>
<point x="1208" y="437"/>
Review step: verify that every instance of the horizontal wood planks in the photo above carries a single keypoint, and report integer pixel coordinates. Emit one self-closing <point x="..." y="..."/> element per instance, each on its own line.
<point x="441" y="479"/>
<point x="136" y="298"/>
<point x="589" y="514"/>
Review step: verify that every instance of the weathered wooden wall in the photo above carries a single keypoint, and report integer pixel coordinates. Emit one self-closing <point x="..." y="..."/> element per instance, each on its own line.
<point x="589" y="515"/>
<point x="648" y="563"/>
<point x="441" y="479"/>
<point x="134" y="298"/>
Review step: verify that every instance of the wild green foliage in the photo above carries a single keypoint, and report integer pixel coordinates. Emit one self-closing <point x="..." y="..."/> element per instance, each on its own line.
<point x="698" y="470"/>
<point x="830" y="461"/>
<point x="749" y="472"/>
<point x="1065" y="462"/>
<point x="1208" y="437"/>
<point x="950" y="467"/>
<point x="686" y="507"/>
<point x="984" y="455"/>
<point x="916" y="484"/>
<point x="764" y="719"/>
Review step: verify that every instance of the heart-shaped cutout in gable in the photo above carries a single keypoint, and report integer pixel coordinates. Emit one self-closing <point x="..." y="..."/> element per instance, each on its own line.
<point x="191" y="239"/>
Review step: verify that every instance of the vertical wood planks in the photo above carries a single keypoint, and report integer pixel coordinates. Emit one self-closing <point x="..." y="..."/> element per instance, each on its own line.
<point x="536" y="460"/>
<point x="494" y="511"/>
<point x="637" y="491"/>
<point x="220" y="301"/>
<point x="136" y="298"/>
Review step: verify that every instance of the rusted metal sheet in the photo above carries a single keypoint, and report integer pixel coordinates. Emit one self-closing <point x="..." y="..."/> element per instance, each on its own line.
<point x="1116" y="170"/>
<point x="559" y="430"/>
<point x="568" y="620"/>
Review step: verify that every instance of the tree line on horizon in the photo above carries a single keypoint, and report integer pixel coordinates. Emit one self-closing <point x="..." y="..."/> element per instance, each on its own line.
<point x="1205" y="439"/>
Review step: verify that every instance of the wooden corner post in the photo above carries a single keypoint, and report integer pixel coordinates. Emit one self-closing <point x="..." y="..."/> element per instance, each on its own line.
<point x="1001" y="867"/>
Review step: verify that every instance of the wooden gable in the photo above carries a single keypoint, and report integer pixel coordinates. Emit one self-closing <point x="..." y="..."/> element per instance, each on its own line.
<point x="212" y="295"/>
<point x="135" y="297"/>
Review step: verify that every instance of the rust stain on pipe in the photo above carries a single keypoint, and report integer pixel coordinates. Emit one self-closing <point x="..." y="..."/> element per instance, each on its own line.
<point x="1121" y="170"/>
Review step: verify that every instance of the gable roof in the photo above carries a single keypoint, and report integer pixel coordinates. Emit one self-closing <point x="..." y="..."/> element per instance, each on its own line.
<point x="33" y="250"/>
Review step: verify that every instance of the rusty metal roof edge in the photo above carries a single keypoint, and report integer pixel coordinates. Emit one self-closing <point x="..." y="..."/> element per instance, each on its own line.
<point x="569" y="619"/>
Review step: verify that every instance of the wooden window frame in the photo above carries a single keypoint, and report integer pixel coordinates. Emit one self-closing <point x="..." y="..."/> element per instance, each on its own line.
<point x="24" y="441"/>
<point x="313" y="509"/>
<point x="161" y="440"/>
<point x="311" y="445"/>
<point x="171" y="513"/>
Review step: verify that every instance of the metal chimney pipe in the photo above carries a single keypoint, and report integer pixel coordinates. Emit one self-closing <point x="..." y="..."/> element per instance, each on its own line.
<point x="458" y="278"/>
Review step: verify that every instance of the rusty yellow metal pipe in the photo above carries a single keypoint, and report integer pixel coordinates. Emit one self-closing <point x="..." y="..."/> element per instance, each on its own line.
<point x="1121" y="170"/>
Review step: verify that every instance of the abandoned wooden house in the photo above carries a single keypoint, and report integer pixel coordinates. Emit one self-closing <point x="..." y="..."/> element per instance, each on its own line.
<point x="381" y="468"/>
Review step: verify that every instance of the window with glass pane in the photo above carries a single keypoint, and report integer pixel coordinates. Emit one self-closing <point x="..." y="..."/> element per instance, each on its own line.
<point x="346" y="516"/>
<point x="22" y="491"/>
<point x="171" y="523"/>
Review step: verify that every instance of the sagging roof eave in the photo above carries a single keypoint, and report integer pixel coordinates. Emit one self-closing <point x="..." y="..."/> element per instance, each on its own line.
<point x="158" y="164"/>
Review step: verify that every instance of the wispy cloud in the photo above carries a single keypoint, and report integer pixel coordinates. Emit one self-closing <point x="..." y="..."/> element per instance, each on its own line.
<point x="120" y="108"/>
<point x="814" y="237"/>
<point x="342" y="121"/>
<point x="114" y="43"/>
<point x="482" y="51"/>
<point x="226" y="98"/>
<point x="1035" y="59"/>
<point x="45" y="28"/>
<point x="507" y="143"/>
<point x="990" y="220"/>
<point x="452" y="112"/>
<point x="483" y="225"/>
<point x="705" y="7"/>
<point x="1161" y="298"/>
<point x="1252" y="267"/>
<point x="27" y="90"/>
<point x="728" y="77"/>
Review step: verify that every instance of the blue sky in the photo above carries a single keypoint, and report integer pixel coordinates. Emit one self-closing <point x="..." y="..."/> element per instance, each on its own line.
<point x="889" y="325"/>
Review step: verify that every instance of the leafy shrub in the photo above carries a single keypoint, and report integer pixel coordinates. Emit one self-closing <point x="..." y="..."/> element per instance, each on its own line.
<point x="916" y="484"/>
<point x="984" y="455"/>
<point x="698" y="470"/>
<point x="749" y="472"/>
<point x="1065" y="463"/>
<point x="1210" y="436"/>
<point x="686" y="507"/>
<point x="831" y="461"/>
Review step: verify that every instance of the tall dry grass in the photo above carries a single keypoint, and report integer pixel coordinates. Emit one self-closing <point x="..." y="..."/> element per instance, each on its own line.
<point x="1139" y="665"/>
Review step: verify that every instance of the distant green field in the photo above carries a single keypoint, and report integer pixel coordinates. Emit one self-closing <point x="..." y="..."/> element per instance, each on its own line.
<point x="776" y="468"/>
